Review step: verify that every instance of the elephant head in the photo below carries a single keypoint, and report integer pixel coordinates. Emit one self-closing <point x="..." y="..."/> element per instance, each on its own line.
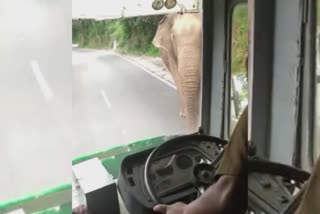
<point x="162" y="41"/>
<point x="178" y="38"/>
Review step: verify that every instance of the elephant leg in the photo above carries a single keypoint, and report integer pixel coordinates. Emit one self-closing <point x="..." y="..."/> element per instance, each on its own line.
<point x="190" y="86"/>
<point x="177" y="81"/>
<point x="182" y="104"/>
<point x="182" y="112"/>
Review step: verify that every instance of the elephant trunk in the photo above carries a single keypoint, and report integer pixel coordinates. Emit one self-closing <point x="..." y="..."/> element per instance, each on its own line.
<point x="189" y="71"/>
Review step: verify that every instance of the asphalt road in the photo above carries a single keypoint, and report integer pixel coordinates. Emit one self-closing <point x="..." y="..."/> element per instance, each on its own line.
<point x="35" y="92"/>
<point x="116" y="102"/>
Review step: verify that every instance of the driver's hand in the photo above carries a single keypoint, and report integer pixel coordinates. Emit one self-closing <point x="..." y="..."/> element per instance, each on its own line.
<point x="177" y="208"/>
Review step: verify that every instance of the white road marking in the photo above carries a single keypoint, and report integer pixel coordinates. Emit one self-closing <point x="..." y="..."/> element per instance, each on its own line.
<point x="148" y="71"/>
<point x="105" y="98"/>
<point x="44" y="87"/>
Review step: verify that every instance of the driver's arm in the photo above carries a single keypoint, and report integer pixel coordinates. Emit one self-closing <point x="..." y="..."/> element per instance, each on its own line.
<point x="226" y="196"/>
<point x="229" y="193"/>
<point x="310" y="200"/>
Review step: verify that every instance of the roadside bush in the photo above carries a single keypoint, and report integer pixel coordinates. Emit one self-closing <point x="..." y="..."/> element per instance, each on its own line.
<point x="133" y="35"/>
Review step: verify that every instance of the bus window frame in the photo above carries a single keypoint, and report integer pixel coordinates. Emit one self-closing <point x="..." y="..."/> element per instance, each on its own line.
<point x="214" y="66"/>
<point x="308" y="107"/>
<point x="228" y="66"/>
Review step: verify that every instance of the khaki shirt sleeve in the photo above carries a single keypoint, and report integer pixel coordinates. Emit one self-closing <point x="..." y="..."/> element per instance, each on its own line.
<point x="236" y="152"/>
<point x="310" y="200"/>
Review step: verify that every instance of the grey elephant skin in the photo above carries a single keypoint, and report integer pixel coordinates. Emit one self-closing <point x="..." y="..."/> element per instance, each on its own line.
<point x="178" y="39"/>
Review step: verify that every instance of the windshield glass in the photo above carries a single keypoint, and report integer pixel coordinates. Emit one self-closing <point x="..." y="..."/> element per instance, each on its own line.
<point x="35" y="91"/>
<point x="134" y="78"/>
<point x="239" y="72"/>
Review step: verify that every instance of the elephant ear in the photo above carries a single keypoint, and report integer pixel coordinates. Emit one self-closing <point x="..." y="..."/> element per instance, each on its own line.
<point x="174" y="46"/>
<point x="172" y="18"/>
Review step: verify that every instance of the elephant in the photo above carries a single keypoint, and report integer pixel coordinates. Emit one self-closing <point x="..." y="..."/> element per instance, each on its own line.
<point x="178" y="38"/>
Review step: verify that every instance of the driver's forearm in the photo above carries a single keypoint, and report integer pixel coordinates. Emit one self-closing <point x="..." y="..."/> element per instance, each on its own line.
<point x="219" y="198"/>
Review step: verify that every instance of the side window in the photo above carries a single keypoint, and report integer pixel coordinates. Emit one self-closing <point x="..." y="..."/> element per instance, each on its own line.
<point x="317" y="122"/>
<point x="238" y="78"/>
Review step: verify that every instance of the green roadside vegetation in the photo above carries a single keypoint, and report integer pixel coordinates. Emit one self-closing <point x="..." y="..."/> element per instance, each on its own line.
<point x="133" y="35"/>
<point x="239" y="39"/>
<point x="240" y="48"/>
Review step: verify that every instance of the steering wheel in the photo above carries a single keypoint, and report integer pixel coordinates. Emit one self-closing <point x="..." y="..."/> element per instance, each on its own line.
<point x="204" y="173"/>
<point x="271" y="186"/>
<point x="268" y="188"/>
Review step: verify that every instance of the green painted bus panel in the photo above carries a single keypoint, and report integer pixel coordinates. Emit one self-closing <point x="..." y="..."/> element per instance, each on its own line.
<point x="58" y="199"/>
<point x="128" y="149"/>
<point x="112" y="164"/>
<point x="100" y="154"/>
<point x="63" y="209"/>
<point x="51" y="198"/>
